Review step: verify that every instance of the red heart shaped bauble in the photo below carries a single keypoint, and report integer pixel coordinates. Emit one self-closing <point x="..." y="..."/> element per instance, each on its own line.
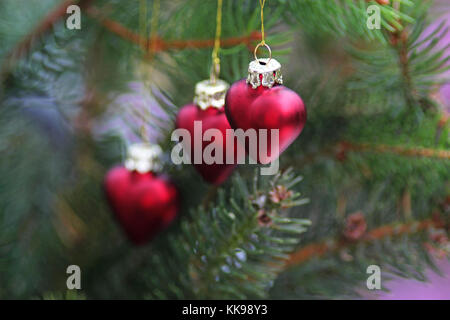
<point x="144" y="203"/>
<point x="266" y="108"/>
<point x="210" y="118"/>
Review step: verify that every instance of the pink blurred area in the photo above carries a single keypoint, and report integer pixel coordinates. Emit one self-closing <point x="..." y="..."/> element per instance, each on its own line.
<point x="436" y="288"/>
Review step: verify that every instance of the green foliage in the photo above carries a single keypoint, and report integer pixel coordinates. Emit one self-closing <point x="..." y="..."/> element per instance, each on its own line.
<point x="347" y="17"/>
<point x="27" y="197"/>
<point x="16" y="24"/>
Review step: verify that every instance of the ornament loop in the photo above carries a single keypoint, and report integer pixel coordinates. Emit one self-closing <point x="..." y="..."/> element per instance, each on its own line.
<point x="256" y="50"/>
<point x="143" y="157"/>
<point x="215" y="68"/>
<point x="264" y="72"/>
<point x="210" y="94"/>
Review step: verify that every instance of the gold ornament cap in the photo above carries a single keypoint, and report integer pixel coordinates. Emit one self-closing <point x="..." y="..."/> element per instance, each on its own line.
<point x="269" y="68"/>
<point x="143" y="157"/>
<point x="210" y="94"/>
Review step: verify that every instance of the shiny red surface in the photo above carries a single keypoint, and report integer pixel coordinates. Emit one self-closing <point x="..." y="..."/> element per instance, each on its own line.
<point x="215" y="173"/>
<point x="264" y="108"/>
<point x="144" y="204"/>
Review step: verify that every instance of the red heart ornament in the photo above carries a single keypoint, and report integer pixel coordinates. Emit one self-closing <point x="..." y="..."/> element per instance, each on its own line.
<point x="210" y="118"/>
<point x="144" y="203"/>
<point x="266" y="108"/>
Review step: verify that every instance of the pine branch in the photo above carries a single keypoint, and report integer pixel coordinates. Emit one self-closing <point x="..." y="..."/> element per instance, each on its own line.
<point x="344" y="147"/>
<point x="410" y="65"/>
<point x="341" y="149"/>
<point x="410" y="92"/>
<point x="232" y="250"/>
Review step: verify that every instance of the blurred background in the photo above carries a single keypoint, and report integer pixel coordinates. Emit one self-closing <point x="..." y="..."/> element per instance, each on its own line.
<point x="374" y="156"/>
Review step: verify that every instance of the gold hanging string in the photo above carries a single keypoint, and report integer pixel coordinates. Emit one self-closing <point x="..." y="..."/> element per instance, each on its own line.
<point x="262" y="3"/>
<point x="143" y="44"/>
<point x="143" y="22"/>
<point x="148" y="44"/>
<point x="263" y="39"/>
<point x="215" y="69"/>
<point x="154" y="25"/>
<point x="149" y="41"/>
<point x="144" y="134"/>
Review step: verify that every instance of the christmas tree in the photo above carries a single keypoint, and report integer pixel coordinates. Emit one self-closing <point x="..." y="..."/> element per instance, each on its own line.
<point x="363" y="183"/>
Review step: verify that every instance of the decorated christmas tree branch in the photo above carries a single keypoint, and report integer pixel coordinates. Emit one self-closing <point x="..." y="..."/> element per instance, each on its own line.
<point x="240" y="239"/>
<point x="156" y="44"/>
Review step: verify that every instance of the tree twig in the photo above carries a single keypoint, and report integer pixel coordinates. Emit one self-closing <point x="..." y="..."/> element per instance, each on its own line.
<point x="398" y="150"/>
<point x="157" y="44"/>
<point x="319" y="249"/>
